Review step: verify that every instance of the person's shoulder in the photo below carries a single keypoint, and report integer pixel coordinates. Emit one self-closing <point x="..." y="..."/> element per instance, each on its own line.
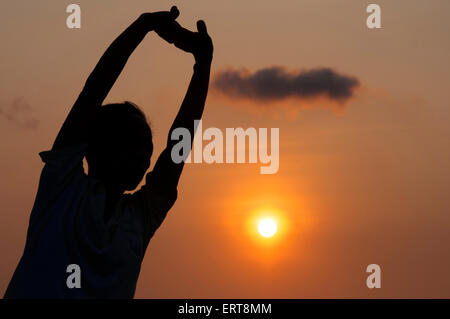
<point x="63" y="170"/>
<point x="150" y="198"/>
<point x="64" y="154"/>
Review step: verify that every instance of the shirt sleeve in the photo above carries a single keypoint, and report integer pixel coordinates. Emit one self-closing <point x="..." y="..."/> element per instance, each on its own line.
<point x="61" y="165"/>
<point x="153" y="201"/>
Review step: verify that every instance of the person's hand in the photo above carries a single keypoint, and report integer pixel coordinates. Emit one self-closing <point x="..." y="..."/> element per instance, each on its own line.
<point x="198" y="43"/>
<point x="161" y="20"/>
<point x="203" y="46"/>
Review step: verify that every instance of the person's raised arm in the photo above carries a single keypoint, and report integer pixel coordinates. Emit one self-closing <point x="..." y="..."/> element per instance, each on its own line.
<point x="105" y="74"/>
<point x="166" y="171"/>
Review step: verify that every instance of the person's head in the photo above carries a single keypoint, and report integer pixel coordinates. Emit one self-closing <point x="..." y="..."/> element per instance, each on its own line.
<point x="119" y="146"/>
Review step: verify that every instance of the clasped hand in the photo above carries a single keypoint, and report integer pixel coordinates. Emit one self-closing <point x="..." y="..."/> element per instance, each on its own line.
<point x="198" y="43"/>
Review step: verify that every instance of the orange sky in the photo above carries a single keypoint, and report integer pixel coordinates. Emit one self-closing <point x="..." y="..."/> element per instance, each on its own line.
<point x="365" y="185"/>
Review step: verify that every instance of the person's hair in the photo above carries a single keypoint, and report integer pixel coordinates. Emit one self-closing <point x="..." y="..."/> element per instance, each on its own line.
<point x="119" y="144"/>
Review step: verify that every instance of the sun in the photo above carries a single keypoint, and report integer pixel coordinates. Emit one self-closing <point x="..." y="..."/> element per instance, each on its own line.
<point x="267" y="227"/>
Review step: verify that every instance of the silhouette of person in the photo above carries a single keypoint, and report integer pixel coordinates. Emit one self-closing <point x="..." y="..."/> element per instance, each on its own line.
<point x="86" y="219"/>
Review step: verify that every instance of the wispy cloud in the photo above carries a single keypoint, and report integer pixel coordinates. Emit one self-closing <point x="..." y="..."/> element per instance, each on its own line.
<point x="19" y="112"/>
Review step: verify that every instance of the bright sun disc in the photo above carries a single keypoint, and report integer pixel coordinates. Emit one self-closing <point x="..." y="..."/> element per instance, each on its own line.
<point x="267" y="227"/>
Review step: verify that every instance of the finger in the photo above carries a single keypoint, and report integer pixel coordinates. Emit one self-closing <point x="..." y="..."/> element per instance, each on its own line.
<point x="174" y="12"/>
<point x="201" y="27"/>
<point x="165" y="35"/>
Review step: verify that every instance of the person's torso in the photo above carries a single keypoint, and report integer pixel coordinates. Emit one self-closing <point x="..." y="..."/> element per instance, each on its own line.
<point x="70" y="230"/>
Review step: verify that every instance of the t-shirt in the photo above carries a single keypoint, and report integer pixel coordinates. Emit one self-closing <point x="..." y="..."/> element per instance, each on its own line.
<point x="67" y="226"/>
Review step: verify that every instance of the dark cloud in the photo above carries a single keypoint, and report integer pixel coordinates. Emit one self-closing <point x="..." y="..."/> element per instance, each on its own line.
<point x="19" y="112"/>
<point x="276" y="83"/>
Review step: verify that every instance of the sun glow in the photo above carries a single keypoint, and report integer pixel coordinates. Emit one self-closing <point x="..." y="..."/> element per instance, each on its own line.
<point x="267" y="227"/>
